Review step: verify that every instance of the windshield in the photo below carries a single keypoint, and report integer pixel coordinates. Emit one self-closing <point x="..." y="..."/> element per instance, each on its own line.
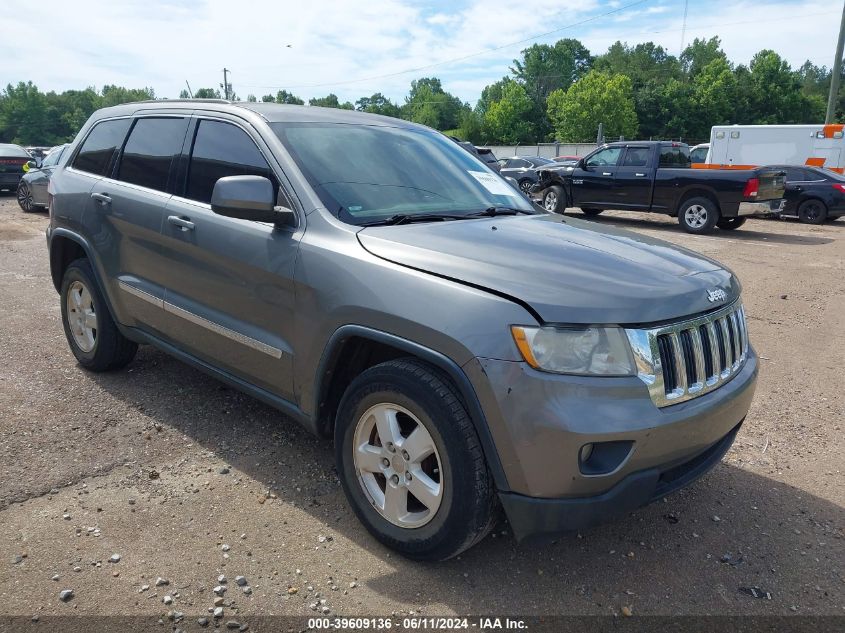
<point x="368" y="173"/>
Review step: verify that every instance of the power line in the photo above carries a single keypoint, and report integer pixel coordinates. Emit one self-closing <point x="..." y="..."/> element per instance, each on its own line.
<point x="470" y="55"/>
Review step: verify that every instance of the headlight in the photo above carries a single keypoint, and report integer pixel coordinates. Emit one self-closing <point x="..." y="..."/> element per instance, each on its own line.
<point x="587" y="351"/>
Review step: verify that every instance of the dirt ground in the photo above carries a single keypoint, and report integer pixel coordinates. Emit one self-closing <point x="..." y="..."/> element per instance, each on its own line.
<point x="186" y="479"/>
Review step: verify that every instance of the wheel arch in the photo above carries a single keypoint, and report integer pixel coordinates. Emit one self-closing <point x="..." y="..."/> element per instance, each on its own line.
<point x="354" y="348"/>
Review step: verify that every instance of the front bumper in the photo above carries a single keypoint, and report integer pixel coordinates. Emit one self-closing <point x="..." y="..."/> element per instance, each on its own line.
<point x="530" y="516"/>
<point x="540" y="422"/>
<point x="761" y="208"/>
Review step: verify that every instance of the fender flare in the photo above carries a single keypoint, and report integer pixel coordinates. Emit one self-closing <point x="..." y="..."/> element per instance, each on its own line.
<point x="89" y="253"/>
<point x="331" y="352"/>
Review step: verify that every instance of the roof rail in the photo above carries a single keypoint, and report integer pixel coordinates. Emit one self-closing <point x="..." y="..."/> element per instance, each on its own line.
<point x="185" y="101"/>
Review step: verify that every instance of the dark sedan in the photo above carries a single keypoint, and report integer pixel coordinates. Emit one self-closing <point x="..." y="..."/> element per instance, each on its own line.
<point x="523" y="169"/>
<point x="32" y="190"/>
<point x="813" y="194"/>
<point x="12" y="160"/>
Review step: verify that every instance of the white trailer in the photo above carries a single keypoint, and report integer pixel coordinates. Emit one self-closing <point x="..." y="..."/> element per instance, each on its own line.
<point x="748" y="146"/>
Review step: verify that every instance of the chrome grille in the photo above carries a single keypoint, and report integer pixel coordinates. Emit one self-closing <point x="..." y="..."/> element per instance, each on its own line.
<point x="684" y="360"/>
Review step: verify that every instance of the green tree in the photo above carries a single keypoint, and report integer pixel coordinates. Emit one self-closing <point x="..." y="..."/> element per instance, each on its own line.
<point x="427" y="103"/>
<point x="700" y="53"/>
<point x="713" y="99"/>
<point x="23" y="114"/>
<point x="207" y="93"/>
<point x="378" y="104"/>
<point x="115" y="95"/>
<point x="772" y="93"/>
<point x="508" y="119"/>
<point x="596" y="98"/>
<point x="283" y="96"/>
<point x="330" y="101"/>
<point x="470" y="127"/>
<point x="545" y="68"/>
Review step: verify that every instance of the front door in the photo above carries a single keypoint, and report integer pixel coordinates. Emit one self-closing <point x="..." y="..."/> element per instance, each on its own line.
<point x="230" y="290"/>
<point x="592" y="185"/>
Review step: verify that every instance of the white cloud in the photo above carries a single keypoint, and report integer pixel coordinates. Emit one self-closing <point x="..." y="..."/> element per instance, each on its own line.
<point x="160" y="43"/>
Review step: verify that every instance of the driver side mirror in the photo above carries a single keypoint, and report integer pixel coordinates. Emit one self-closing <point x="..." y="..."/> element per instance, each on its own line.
<point x="248" y="198"/>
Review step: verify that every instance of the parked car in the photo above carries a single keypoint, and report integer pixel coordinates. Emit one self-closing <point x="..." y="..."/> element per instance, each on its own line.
<point x="523" y="169"/>
<point x="12" y="159"/>
<point x="465" y="349"/>
<point x="698" y="154"/>
<point x="814" y="195"/>
<point x="32" y="189"/>
<point x="655" y="176"/>
<point x="569" y="161"/>
<point x="38" y="153"/>
<point x="484" y="154"/>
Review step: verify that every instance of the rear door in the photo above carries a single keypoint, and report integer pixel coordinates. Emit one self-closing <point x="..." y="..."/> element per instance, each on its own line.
<point x="127" y="213"/>
<point x="634" y="178"/>
<point x="592" y="185"/>
<point x="230" y="288"/>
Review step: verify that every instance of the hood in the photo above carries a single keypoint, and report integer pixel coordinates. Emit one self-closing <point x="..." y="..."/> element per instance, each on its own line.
<point x="565" y="270"/>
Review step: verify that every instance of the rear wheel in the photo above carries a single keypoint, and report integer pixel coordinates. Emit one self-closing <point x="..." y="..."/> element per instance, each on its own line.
<point x="729" y="224"/>
<point x="25" y="197"/>
<point x="812" y="212"/>
<point x="698" y="215"/>
<point x="410" y="462"/>
<point x="91" y="333"/>
<point x="591" y="212"/>
<point x="554" y="199"/>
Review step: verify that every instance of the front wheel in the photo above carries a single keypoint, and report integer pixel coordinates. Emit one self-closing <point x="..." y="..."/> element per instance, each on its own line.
<point x="812" y="212"/>
<point x="525" y="186"/>
<point x="410" y="462"/>
<point x="698" y="215"/>
<point x="554" y="199"/>
<point x="729" y="224"/>
<point x="25" y="198"/>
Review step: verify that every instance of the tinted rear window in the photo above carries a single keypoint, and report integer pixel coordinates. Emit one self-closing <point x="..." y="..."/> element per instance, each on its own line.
<point x="674" y="156"/>
<point x="150" y="151"/>
<point x="102" y="143"/>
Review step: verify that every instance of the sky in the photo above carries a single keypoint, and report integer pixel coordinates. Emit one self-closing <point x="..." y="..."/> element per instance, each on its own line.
<point x="358" y="47"/>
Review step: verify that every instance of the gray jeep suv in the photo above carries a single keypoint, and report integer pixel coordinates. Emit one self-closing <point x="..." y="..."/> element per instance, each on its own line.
<point x="377" y="283"/>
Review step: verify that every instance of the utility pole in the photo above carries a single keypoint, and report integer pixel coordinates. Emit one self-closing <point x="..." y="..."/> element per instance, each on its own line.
<point x="836" y="73"/>
<point x="190" y="92"/>
<point x="226" y="82"/>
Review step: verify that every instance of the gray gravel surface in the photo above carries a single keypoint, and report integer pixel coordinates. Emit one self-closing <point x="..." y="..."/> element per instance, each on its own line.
<point x="166" y="466"/>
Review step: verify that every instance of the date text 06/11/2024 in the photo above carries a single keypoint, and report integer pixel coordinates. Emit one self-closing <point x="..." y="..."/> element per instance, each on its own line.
<point x="418" y="623"/>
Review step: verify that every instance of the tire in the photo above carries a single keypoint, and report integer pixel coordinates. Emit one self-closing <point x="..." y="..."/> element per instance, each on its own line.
<point x="554" y="199"/>
<point x="91" y="333"/>
<point x="729" y="224"/>
<point x="591" y="213"/>
<point x="812" y="212"/>
<point x="698" y="215"/>
<point x="525" y="186"/>
<point x="25" y="198"/>
<point x="460" y="502"/>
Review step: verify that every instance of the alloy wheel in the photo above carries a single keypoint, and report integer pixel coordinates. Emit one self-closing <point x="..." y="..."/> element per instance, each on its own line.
<point x="550" y="201"/>
<point x="695" y="216"/>
<point x="25" y="198"/>
<point x="81" y="316"/>
<point x="398" y="466"/>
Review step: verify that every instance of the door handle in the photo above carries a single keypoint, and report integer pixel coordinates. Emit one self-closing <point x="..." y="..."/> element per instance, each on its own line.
<point x="640" y="175"/>
<point x="102" y="198"/>
<point x="182" y="223"/>
<point x="606" y="173"/>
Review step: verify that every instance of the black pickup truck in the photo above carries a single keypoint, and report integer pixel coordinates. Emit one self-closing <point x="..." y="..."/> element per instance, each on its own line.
<point x="656" y="176"/>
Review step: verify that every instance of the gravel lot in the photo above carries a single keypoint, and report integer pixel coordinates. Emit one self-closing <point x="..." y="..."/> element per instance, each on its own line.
<point x="186" y="479"/>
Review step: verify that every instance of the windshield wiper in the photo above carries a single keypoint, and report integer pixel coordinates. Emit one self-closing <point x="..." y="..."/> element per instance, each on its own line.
<point x="495" y="211"/>
<point x="408" y="218"/>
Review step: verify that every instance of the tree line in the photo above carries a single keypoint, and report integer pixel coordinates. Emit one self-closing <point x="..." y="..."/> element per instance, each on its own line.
<point x="552" y="92"/>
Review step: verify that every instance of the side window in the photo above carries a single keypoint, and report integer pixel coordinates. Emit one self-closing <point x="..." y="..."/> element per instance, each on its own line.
<point x="150" y="151"/>
<point x="795" y="175"/>
<point x="674" y="156"/>
<point x="605" y="157"/>
<point x="102" y="144"/>
<point x="220" y="150"/>
<point x="53" y="157"/>
<point x="636" y="157"/>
